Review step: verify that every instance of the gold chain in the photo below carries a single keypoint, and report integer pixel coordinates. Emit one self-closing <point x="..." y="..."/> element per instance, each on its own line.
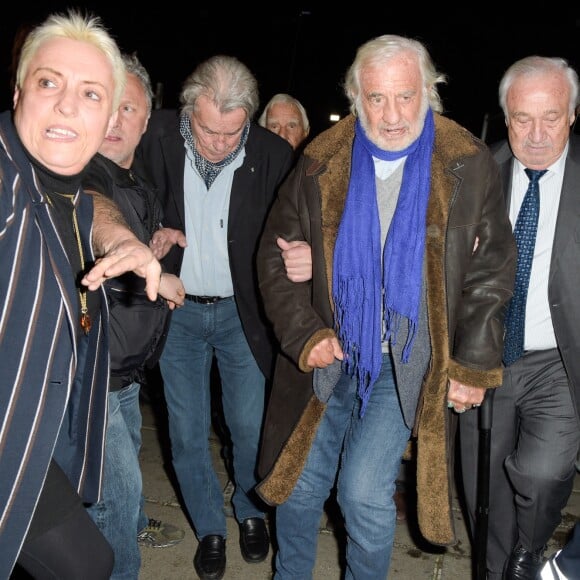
<point x="85" y="316"/>
<point x="85" y="319"/>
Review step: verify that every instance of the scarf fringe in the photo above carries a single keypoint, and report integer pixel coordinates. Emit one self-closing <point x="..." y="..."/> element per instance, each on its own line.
<point x="393" y="322"/>
<point x="349" y="298"/>
<point x="366" y="382"/>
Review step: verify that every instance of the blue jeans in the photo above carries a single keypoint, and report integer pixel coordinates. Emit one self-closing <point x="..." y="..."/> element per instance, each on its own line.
<point x="369" y="451"/>
<point x="196" y="333"/>
<point x="119" y="514"/>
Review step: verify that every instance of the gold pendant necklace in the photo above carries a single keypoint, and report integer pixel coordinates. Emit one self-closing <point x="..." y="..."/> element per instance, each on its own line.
<point x="85" y="316"/>
<point x="85" y="319"/>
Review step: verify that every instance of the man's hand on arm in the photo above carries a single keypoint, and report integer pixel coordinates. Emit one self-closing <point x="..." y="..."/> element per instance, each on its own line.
<point x="171" y="288"/>
<point x="164" y="239"/>
<point x="297" y="258"/>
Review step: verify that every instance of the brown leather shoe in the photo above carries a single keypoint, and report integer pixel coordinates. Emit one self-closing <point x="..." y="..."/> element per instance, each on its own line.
<point x="210" y="558"/>
<point x="401" y="505"/>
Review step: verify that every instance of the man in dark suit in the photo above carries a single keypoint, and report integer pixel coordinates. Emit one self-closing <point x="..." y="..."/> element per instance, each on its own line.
<point x="535" y="433"/>
<point x="217" y="173"/>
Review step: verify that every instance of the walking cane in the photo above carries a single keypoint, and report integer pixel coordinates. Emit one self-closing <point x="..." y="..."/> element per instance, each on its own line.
<point x="482" y="509"/>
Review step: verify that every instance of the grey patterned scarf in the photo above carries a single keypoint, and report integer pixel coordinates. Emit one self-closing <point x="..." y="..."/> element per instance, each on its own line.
<point x="208" y="170"/>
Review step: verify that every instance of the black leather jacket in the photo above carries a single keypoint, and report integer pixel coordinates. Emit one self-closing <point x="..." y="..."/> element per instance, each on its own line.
<point x="137" y="325"/>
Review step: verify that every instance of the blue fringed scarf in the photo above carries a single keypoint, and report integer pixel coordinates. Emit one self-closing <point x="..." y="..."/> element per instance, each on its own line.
<point x="358" y="278"/>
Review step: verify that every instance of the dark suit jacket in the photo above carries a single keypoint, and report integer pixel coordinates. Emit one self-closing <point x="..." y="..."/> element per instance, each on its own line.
<point x="564" y="275"/>
<point x="268" y="158"/>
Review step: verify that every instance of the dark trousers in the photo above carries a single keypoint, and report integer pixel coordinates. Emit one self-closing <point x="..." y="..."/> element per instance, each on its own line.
<point x="535" y="437"/>
<point x="63" y="543"/>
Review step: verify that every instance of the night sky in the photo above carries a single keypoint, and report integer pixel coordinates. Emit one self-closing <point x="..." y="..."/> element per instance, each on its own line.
<point x="305" y="50"/>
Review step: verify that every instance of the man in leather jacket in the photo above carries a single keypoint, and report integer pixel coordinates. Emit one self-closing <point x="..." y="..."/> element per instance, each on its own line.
<point x="136" y="327"/>
<point x="359" y="374"/>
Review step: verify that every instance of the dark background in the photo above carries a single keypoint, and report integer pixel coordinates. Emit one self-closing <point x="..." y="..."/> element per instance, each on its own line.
<point x="305" y="50"/>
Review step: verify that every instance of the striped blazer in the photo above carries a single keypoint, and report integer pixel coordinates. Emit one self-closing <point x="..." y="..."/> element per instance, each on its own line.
<point x="42" y="385"/>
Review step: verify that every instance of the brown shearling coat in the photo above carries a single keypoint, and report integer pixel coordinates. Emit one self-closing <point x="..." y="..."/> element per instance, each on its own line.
<point x="467" y="290"/>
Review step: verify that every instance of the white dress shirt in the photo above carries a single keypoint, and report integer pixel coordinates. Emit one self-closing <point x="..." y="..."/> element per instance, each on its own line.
<point x="539" y="332"/>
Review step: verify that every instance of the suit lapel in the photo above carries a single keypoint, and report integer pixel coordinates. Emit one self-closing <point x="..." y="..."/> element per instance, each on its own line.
<point x="242" y="182"/>
<point x="174" y="151"/>
<point x="568" y="224"/>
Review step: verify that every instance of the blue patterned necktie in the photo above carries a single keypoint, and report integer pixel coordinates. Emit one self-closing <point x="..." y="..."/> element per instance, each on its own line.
<point x="525" y="236"/>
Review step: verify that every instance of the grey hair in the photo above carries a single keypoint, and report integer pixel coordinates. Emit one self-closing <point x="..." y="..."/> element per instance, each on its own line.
<point x="378" y="51"/>
<point x="288" y="99"/>
<point x="134" y="67"/>
<point x="75" y="26"/>
<point x="226" y="81"/>
<point x="539" y="65"/>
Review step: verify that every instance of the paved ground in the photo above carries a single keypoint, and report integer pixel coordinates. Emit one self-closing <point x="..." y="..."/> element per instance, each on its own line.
<point x="412" y="558"/>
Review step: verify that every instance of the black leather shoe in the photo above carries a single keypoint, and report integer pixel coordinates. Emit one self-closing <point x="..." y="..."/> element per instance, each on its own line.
<point x="254" y="540"/>
<point x="210" y="558"/>
<point x="523" y="565"/>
